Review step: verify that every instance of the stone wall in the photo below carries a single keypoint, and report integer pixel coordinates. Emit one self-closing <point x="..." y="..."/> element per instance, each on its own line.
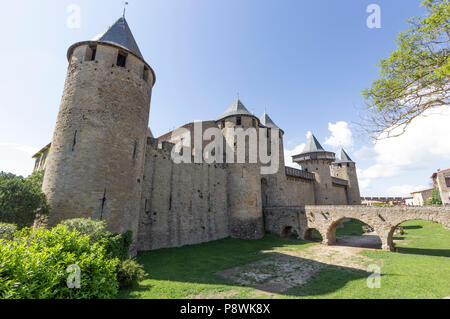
<point x="339" y="195"/>
<point x="182" y="204"/>
<point x="300" y="191"/>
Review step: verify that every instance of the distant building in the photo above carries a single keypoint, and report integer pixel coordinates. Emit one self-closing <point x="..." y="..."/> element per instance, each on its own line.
<point x="394" y="201"/>
<point x="420" y="197"/>
<point x="409" y="201"/>
<point x="441" y="180"/>
<point x="41" y="158"/>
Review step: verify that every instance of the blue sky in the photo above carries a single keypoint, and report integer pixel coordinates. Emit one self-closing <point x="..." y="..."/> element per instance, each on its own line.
<point x="306" y="61"/>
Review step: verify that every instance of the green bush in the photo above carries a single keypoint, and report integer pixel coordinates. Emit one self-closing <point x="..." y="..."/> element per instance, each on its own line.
<point x="435" y="198"/>
<point x="7" y="231"/>
<point x="95" y="229"/>
<point x="116" y="245"/>
<point x="21" y="199"/>
<point x="130" y="273"/>
<point x="35" y="266"/>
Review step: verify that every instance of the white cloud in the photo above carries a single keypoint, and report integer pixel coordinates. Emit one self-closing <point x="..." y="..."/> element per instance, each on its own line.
<point x="427" y="138"/>
<point x="404" y="190"/>
<point x="365" y="153"/>
<point x="297" y="150"/>
<point x="341" y="135"/>
<point x="289" y="153"/>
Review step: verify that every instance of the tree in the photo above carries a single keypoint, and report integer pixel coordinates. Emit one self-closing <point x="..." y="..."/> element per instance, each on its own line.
<point x="21" y="199"/>
<point x="435" y="198"/>
<point x="415" y="77"/>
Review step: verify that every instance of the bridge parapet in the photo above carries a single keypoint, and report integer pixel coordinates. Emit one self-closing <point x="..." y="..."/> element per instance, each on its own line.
<point x="326" y="218"/>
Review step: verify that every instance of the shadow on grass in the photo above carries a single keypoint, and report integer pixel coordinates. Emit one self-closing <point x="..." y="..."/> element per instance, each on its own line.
<point x="424" y="251"/>
<point x="200" y="265"/>
<point x="328" y="280"/>
<point x="412" y="227"/>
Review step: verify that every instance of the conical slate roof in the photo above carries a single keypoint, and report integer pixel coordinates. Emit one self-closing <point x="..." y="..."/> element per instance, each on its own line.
<point x="312" y="145"/>
<point x="237" y="108"/>
<point x="120" y="34"/>
<point x="267" y="121"/>
<point x="344" y="158"/>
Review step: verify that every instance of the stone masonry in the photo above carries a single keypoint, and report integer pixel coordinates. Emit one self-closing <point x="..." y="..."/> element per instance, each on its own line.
<point x="325" y="219"/>
<point x="103" y="164"/>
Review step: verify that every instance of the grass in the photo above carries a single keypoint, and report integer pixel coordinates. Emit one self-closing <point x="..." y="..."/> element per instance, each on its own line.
<point x="421" y="269"/>
<point x="351" y="228"/>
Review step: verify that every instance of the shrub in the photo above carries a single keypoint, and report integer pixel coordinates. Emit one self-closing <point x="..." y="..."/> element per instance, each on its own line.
<point x="35" y="266"/>
<point x="7" y="231"/>
<point x="95" y="229"/>
<point x="435" y="198"/>
<point x="130" y="273"/>
<point x="21" y="199"/>
<point x="116" y="245"/>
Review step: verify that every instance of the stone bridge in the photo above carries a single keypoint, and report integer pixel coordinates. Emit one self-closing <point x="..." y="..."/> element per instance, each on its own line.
<point x="325" y="219"/>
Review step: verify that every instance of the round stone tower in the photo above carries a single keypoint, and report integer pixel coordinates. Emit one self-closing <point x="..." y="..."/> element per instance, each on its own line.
<point x="345" y="168"/>
<point x="243" y="179"/>
<point x="97" y="154"/>
<point x="316" y="160"/>
<point x="274" y="185"/>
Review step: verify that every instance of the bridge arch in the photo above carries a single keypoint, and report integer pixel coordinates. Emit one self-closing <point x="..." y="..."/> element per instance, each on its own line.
<point x="398" y="222"/>
<point x="308" y="234"/>
<point x="330" y="236"/>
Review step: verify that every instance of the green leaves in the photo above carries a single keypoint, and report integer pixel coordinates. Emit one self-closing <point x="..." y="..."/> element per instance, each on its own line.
<point x="34" y="266"/>
<point x="415" y="77"/>
<point x="21" y="199"/>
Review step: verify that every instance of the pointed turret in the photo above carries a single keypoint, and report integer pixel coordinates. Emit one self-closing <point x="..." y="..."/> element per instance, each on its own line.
<point x="312" y="145"/>
<point x="345" y="168"/>
<point x="237" y="108"/>
<point x="267" y="121"/>
<point x="344" y="158"/>
<point x="120" y="34"/>
<point x="313" y="151"/>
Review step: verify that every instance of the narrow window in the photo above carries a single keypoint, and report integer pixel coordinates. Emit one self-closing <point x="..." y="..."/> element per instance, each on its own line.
<point x="268" y="133"/>
<point x="223" y="124"/>
<point x="447" y="181"/>
<point x="121" y="59"/>
<point x="74" y="140"/>
<point x="135" y="149"/>
<point x="145" y="75"/>
<point x="94" y="52"/>
<point x="340" y="165"/>
<point x="91" y="53"/>
<point x="348" y="164"/>
<point x="254" y="122"/>
<point x="238" y="121"/>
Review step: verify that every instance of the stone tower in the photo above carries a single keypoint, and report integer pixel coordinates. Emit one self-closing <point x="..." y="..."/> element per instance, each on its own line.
<point x="345" y="168"/>
<point x="243" y="179"/>
<point x="96" y="162"/>
<point x="274" y="185"/>
<point x="316" y="160"/>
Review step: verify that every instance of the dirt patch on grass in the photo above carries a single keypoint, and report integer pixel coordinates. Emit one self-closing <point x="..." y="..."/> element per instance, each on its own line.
<point x="285" y="269"/>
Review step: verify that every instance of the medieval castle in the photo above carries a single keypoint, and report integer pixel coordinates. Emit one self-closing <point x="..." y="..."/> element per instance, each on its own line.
<point x="104" y="163"/>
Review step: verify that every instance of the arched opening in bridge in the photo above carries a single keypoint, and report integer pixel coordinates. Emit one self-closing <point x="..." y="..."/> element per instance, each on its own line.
<point x="264" y="196"/>
<point x="313" y="234"/>
<point x="289" y="232"/>
<point x="420" y="237"/>
<point x="354" y="233"/>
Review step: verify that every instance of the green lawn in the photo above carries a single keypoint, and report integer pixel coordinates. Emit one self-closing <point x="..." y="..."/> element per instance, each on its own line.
<point x="421" y="269"/>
